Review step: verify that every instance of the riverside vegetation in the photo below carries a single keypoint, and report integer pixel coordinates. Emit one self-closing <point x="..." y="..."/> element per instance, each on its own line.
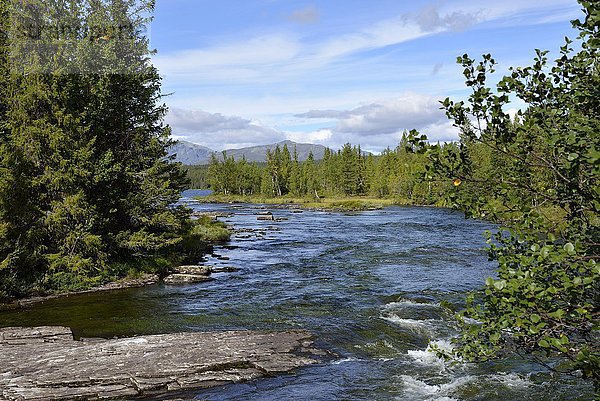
<point x="537" y="175"/>
<point x="86" y="190"/>
<point x="345" y="180"/>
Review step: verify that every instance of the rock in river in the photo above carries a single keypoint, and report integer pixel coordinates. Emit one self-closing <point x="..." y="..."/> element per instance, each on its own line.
<point x="45" y="363"/>
<point x="189" y="274"/>
<point x="178" y="278"/>
<point x="193" y="269"/>
<point x="265" y="216"/>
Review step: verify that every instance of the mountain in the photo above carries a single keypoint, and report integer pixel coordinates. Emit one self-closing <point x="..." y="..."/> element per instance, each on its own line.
<point x="190" y="153"/>
<point x="259" y="153"/>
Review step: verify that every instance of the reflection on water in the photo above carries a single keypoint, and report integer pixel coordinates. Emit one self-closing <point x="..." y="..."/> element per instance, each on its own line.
<point x="369" y="285"/>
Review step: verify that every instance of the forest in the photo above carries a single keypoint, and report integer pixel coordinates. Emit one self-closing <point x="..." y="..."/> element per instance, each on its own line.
<point x="395" y="173"/>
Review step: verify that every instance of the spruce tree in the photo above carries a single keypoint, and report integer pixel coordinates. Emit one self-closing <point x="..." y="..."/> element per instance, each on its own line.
<point x="86" y="184"/>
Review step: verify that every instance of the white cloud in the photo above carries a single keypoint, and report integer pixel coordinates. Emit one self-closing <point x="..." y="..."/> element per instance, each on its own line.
<point x="442" y="131"/>
<point x="380" y="124"/>
<point x="218" y="131"/>
<point x="384" y="117"/>
<point x="513" y="13"/>
<point x="276" y="56"/>
<point x="374" y="126"/>
<point x="276" y="74"/>
<point x="384" y="33"/>
<point x="322" y="136"/>
<point x="235" y="61"/>
<point x="189" y="121"/>
<point x="430" y="19"/>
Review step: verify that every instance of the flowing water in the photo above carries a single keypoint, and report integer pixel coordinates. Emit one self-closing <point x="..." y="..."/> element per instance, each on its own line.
<point x="368" y="285"/>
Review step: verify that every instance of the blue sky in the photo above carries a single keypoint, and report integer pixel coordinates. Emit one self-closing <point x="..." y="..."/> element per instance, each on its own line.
<point x="247" y="72"/>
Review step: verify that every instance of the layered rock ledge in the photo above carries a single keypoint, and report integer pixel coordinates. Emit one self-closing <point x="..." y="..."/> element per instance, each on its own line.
<point x="45" y="363"/>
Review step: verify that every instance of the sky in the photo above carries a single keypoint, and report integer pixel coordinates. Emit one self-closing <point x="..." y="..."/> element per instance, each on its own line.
<point x="252" y="72"/>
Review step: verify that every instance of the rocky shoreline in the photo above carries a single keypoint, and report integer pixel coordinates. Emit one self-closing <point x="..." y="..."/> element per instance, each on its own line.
<point x="142" y="281"/>
<point x="45" y="363"/>
<point x="178" y="275"/>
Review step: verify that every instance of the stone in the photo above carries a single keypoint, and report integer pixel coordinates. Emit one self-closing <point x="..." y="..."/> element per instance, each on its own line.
<point x="193" y="269"/>
<point x="214" y="216"/>
<point x="43" y="334"/>
<point x="225" y="269"/>
<point x="45" y="363"/>
<point x="178" y="278"/>
<point x="265" y="216"/>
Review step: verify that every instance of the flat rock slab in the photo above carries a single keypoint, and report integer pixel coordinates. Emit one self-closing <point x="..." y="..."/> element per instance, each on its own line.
<point x="45" y="363"/>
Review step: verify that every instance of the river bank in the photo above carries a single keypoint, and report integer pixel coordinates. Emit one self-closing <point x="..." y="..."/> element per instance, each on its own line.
<point x="124" y="283"/>
<point x="337" y="203"/>
<point x="205" y="232"/>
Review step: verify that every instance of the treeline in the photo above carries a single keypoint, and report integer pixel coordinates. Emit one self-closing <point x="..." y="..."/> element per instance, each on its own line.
<point x="197" y="176"/>
<point x="86" y="189"/>
<point x="349" y="171"/>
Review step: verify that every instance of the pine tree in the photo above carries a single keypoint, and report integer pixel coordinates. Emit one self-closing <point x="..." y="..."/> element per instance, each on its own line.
<point x="285" y="170"/>
<point x="295" y="175"/>
<point x="310" y="174"/>
<point x="349" y="169"/>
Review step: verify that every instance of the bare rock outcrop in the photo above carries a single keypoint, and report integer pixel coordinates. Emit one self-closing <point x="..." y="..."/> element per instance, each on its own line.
<point x="45" y="363"/>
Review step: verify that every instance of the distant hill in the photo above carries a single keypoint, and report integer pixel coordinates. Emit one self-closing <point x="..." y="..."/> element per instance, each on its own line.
<point x="192" y="154"/>
<point x="259" y="153"/>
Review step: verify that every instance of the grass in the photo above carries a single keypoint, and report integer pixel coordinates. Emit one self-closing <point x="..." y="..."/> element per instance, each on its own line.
<point x="349" y="203"/>
<point x="207" y="230"/>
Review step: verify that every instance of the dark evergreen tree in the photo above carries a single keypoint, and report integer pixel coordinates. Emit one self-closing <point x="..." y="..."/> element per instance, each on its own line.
<point x="86" y="184"/>
<point x="296" y="187"/>
<point x="349" y="169"/>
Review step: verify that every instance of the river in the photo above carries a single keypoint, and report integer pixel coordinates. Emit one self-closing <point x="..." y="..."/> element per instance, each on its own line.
<point x="368" y="285"/>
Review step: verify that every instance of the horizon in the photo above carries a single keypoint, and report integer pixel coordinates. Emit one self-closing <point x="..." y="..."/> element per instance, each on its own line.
<point x="290" y="141"/>
<point x="328" y="73"/>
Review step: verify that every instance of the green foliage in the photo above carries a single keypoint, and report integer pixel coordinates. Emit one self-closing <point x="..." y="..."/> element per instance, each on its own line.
<point x="209" y="231"/>
<point x="202" y="234"/>
<point x="347" y="172"/>
<point x="85" y="183"/>
<point x="536" y="174"/>
<point x="228" y="177"/>
<point x="198" y="176"/>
